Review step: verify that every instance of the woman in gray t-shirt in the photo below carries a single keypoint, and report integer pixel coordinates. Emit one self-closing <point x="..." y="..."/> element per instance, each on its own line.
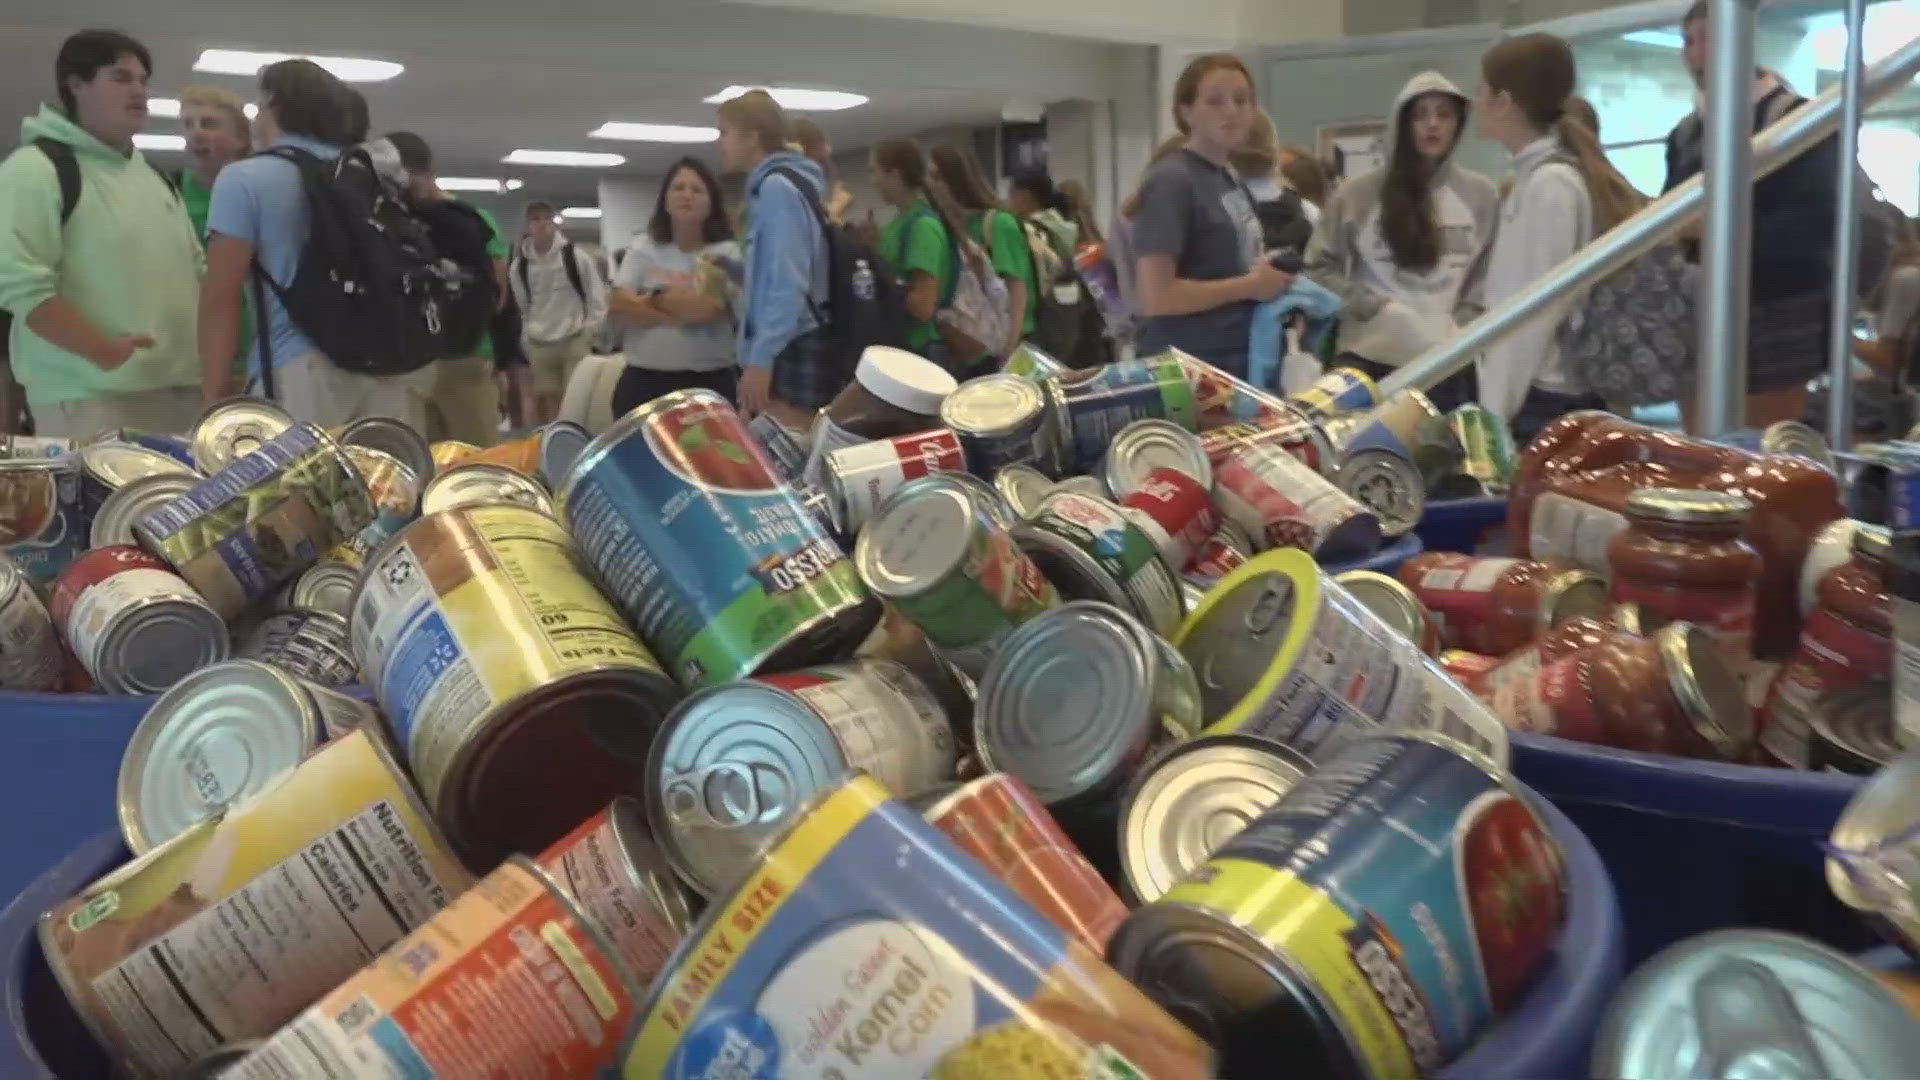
<point x="674" y="293"/>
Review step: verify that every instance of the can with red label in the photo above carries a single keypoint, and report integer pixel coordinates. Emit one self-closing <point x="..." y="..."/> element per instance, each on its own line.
<point x="133" y="623"/>
<point x="1289" y="430"/>
<point x="612" y="868"/>
<point x="1283" y="503"/>
<point x="1219" y="555"/>
<point x="856" y="478"/>
<point x="30" y="656"/>
<point x="1176" y="512"/>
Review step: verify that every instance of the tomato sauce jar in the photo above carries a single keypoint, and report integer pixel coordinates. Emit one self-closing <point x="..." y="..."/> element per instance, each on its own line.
<point x="1522" y="665"/>
<point x="1496" y="605"/>
<point x="1683" y="557"/>
<point x="1847" y="641"/>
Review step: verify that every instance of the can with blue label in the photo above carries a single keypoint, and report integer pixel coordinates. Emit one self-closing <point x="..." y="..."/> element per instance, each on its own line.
<point x="1092" y="410"/>
<point x="1373" y="921"/>
<point x="712" y="557"/>
<point x="864" y="943"/>
<point x="43" y="526"/>
<point x="1339" y="391"/>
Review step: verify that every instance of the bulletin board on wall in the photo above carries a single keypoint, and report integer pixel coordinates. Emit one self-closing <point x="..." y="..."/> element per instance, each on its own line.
<point x="1352" y="147"/>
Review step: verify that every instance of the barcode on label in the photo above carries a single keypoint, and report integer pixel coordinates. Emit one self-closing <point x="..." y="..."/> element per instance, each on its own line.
<point x="358" y="1014"/>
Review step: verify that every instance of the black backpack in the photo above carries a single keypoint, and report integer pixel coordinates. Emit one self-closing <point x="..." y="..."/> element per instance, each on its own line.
<point x="864" y="306"/>
<point x="566" y="260"/>
<point x="372" y="289"/>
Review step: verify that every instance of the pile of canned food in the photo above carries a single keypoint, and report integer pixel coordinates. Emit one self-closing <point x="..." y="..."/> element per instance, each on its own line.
<point x="1012" y="728"/>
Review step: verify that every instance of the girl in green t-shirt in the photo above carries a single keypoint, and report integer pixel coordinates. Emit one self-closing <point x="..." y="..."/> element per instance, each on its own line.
<point x="956" y="182"/>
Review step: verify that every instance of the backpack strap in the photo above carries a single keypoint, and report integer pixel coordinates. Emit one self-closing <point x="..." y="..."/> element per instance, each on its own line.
<point x="570" y="260"/>
<point x="66" y="169"/>
<point x="260" y="335"/>
<point x="812" y="199"/>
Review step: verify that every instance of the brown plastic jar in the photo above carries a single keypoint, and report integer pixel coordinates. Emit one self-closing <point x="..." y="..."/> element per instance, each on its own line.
<point x="1682" y="558"/>
<point x="893" y="392"/>
<point x="1496" y="605"/>
<point x="1847" y="641"/>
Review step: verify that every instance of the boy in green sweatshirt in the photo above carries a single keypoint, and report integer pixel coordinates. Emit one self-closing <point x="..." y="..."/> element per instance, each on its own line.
<point x="105" y="303"/>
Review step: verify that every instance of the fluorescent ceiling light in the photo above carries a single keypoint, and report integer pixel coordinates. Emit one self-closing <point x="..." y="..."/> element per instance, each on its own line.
<point x="1663" y="39"/>
<point x="170" y="107"/>
<point x="148" y="141"/>
<point x="581" y="213"/>
<point x="582" y="159"/>
<point x="486" y="184"/>
<point x="345" y="68"/>
<point x="793" y="97"/>
<point x="666" y="133"/>
<point x="514" y="185"/>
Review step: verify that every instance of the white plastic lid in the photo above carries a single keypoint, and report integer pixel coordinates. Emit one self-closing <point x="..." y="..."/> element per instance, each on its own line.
<point x="904" y="380"/>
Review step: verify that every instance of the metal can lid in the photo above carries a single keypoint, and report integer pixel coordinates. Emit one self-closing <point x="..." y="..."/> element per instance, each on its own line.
<point x="1188" y="802"/>
<point x="1873" y="541"/>
<point x="1387" y="484"/>
<point x="113" y="522"/>
<point x="649" y="866"/>
<point x="1688" y="505"/>
<point x="727" y="771"/>
<point x="1066" y="704"/>
<point x="392" y="436"/>
<point x="917" y="536"/>
<point x="219" y="735"/>
<point x="1249" y="625"/>
<point x="117" y="464"/>
<point x="1573" y="593"/>
<point x="986" y="498"/>
<point x="149" y="648"/>
<point x="1754" y="996"/>
<point x="1708" y="689"/>
<point x="1797" y="439"/>
<point x="561" y="443"/>
<point x="1388" y="598"/>
<point x="234" y="428"/>
<point x="483" y="482"/>
<point x="992" y="405"/>
<point x="326" y="586"/>
<point x="1235" y="536"/>
<point x="1023" y="486"/>
<point x="1146" y="445"/>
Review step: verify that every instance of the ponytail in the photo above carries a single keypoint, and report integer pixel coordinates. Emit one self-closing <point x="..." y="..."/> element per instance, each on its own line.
<point x="1614" y="199"/>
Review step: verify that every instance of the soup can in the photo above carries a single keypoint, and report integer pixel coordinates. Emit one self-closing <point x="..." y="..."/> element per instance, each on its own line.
<point x="714" y="561"/>
<point x="1092" y="411"/>
<point x="30" y="657"/>
<point x="237" y="535"/>
<point x="1023" y="486"/>
<point x="1145" y="446"/>
<point x="1373" y="921"/>
<point x="219" y="736"/>
<point x="1220" y="554"/>
<point x="1387" y="484"/>
<point x="1396" y="605"/>
<point x="612" y="868"/>
<point x="938" y="553"/>
<point x="1282" y="503"/>
<point x="229" y="929"/>
<point x="936" y="969"/>
<point x="561" y="443"/>
<point x="1406" y="424"/>
<point x="324" y="586"/>
<point x="1284" y="653"/>
<point x="997" y="820"/>
<point x="858" y="477"/>
<point x="511" y="979"/>
<point x="520" y="699"/>
<point x="1192" y="798"/>
<point x="1337" y="392"/>
<point x="313" y="645"/>
<point x="42" y="524"/>
<point x="1003" y="420"/>
<point x="230" y="430"/>
<point x="1176" y="512"/>
<point x="734" y="763"/>
<point x="109" y="466"/>
<point x="474" y="482"/>
<point x="395" y="438"/>
<point x="1290" y="431"/>
<point x="1091" y="550"/>
<point x="114" y="520"/>
<point x="1486" y="446"/>
<point x="133" y="623"/>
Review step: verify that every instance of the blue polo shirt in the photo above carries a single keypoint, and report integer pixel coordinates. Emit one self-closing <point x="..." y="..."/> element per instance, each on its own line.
<point x="260" y="200"/>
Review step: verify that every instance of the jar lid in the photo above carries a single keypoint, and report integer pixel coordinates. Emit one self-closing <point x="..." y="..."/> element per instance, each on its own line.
<point x="1572" y="593"/>
<point x="1873" y="541"/>
<point x="1709" y="691"/>
<point x="904" y="380"/>
<point x="1684" y="504"/>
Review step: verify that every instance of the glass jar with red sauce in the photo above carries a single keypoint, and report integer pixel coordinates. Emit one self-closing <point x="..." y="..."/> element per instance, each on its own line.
<point x="1683" y="557"/>
<point x="1496" y="605"/>
<point x="1501" y="679"/>
<point x="1847" y="641"/>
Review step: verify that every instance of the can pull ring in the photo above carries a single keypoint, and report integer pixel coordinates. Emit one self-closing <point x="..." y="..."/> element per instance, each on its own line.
<point x="1269" y="607"/>
<point x="1750" y="1026"/>
<point x="722" y="795"/>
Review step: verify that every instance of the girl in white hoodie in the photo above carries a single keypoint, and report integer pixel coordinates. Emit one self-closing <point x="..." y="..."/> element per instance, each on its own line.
<point x="1565" y="193"/>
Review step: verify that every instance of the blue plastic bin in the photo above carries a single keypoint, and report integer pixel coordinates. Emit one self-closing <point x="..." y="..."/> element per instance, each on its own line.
<point x="45" y="1039"/>
<point x="1694" y="846"/>
<point x="1461" y="524"/>
<point x="59" y="764"/>
<point x="1386" y="560"/>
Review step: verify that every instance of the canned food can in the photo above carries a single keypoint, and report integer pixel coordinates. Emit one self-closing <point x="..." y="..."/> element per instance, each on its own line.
<point x="520" y="699"/>
<point x="1076" y="698"/>
<point x="450" y="452"/>
<point x="997" y="820"/>
<point x="935" y="551"/>
<point x="1145" y="446"/>
<point x="561" y="443"/>
<point x="314" y="645"/>
<point x="1386" y="484"/>
<point x="1031" y="362"/>
<point x="1402" y="424"/>
<point x="1873" y="854"/>
<point x="1395" y="605"/>
<point x="1286" y="654"/>
<point x="1022" y="486"/>
<point x="226" y="931"/>
<point x="230" y="430"/>
<point x="856" y="478"/>
<point x="714" y="561"/>
<point x="324" y="586"/>
<point x="1336" y="392"/>
<point x="1176" y="512"/>
<point x="614" y="871"/>
<point x="1282" y="503"/>
<point x="1090" y="486"/>
<point x="472" y="483"/>
<point x="1221" y="554"/>
<point x="30" y="657"/>
<point x="1003" y="420"/>
<point x="43" y="527"/>
<point x="237" y="535"/>
<point x="788" y="457"/>
<point x="177" y="447"/>
<point x="1194" y="797"/>
<point x="218" y="737"/>
<point x="113" y="521"/>
<point x="395" y="438"/>
<point x="1090" y="550"/>
<point x="511" y="979"/>
<point x="1289" y="431"/>
<point x="133" y="623"/>
<point x="991" y="502"/>
<point x="938" y="969"/>
<point x="1392" y="903"/>
<point x="820" y="508"/>
<point x="1752" y="996"/>
<point x="734" y="763"/>
<point x="1851" y="730"/>
<point x="35" y="446"/>
<point x="395" y="491"/>
<point x="1093" y="411"/>
<point x="822" y="439"/>
<point x="1486" y="446"/>
<point x="109" y="466"/>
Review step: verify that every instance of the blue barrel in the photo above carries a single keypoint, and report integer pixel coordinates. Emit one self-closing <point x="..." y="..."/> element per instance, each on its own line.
<point x="1386" y="560"/>
<point x="1694" y="846"/>
<point x="1551" y="1032"/>
<point x="59" y="764"/>
<point x="44" y="1038"/>
<point x="1461" y="524"/>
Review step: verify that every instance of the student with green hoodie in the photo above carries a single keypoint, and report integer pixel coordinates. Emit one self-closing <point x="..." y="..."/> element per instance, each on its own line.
<point x="104" y="306"/>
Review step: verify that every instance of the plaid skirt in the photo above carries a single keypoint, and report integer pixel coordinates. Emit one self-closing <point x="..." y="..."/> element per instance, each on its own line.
<point x="807" y="374"/>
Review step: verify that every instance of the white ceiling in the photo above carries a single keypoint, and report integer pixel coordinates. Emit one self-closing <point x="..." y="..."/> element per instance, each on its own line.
<point x="486" y="76"/>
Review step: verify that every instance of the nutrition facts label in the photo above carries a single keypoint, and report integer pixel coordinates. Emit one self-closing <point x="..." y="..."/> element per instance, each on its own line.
<point x="242" y="966"/>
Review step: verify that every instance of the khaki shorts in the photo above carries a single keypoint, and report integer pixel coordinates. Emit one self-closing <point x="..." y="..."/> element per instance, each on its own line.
<point x="553" y="361"/>
<point x="168" y="410"/>
<point x="465" y="403"/>
<point x="312" y="388"/>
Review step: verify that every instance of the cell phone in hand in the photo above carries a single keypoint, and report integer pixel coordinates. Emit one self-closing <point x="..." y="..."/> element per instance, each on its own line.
<point x="1287" y="260"/>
